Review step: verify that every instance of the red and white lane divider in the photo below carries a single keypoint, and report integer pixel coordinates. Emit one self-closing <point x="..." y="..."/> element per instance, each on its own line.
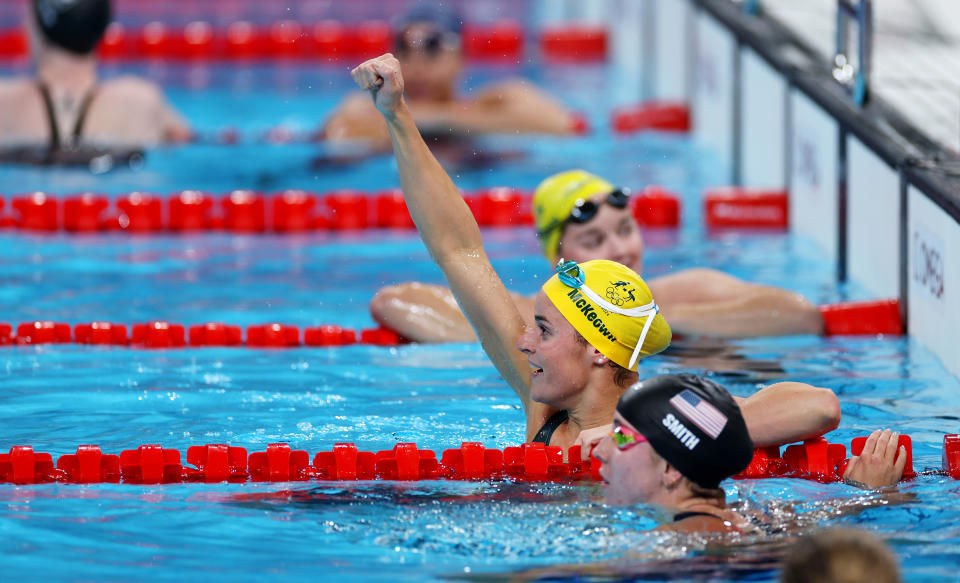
<point x="664" y="116"/>
<point x="739" y="207"/>
<point x="862" y="318"/>
<point x="244" y="211"/>
<point x="815" y="459"/>
<point x="867" y="318"/>
<point x="290" y="211"/>
<point x="160" y="334"/>
<point x="154" y="464"/>
<point x="502" y="41"/>
<point x="249" y="211"/>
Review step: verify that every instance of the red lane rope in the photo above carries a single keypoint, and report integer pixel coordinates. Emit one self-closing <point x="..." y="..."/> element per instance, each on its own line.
<point x="153" y="464"/>
<point x="289" y="211"/>
<point x="160" y="334"/>
<point x="327" y="40"/>
<point x="864" y="318"/>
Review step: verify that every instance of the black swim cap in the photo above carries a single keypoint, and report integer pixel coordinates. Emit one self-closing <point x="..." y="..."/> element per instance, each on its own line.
<point x="74" y="25"/>
<point x="443" y="17"/>
<point x="693" y="423"/>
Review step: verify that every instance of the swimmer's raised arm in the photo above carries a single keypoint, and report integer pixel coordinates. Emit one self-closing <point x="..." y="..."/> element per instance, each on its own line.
<point x="448" y="228"/>
<point x="788" y="412"/>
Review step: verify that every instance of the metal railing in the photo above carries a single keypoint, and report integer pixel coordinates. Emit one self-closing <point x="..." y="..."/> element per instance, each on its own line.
<point x="855" y="75"/>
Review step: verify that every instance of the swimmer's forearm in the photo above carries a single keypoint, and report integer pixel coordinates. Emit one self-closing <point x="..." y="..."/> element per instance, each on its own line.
<point x="452" y="236"/>
<point x="442" y="217"/>
<point x="788" y="412"/>
<point x="771" y="313"/>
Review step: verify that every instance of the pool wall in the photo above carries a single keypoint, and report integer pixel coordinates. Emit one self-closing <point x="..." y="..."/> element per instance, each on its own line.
<point x="873" y="192"/>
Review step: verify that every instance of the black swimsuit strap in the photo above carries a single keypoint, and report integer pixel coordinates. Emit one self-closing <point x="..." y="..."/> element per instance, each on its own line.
<point x="84" y="109"/>
<point x="55" y="142"/>
<point x="546" y="432"/>
<point x="51" y="116"/>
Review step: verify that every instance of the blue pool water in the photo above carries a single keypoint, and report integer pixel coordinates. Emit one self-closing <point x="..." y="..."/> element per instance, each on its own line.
<point x="57" y="397"/>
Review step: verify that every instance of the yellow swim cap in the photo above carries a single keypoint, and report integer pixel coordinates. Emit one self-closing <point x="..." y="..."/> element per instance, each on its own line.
<point x="555" y="198"/>
<point x="610" y="306"/>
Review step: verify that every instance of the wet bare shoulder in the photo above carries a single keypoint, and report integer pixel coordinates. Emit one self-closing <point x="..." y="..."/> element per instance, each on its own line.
<point x="17" y="89"/>
<point x="133" y="89"/>
<point x="21" y="111"/>
<point x="504" y="90"/>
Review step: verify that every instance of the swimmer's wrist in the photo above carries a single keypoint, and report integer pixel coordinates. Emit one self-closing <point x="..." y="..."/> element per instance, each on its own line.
<point x="856" y="484"/>
<point x="394" y="115"/>
<point x="400" y="119"/>
<point x="864" y="486"/>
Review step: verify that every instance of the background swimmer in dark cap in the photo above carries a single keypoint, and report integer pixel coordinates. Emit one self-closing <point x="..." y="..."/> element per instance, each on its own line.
<point x="428" y="46"/>
<point x="65" y="105"/>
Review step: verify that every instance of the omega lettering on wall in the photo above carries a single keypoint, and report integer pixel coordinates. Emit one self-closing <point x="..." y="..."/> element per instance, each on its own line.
<point x="807" y="166"/>
<point x="706" y="68"/>
<point x="928" y="261"/>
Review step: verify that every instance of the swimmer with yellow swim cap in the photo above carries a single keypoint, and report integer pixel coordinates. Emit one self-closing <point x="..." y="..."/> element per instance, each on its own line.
<point x="66" y="107"/>
<point x="593" y="321"/>
<point x="581" y="216"/>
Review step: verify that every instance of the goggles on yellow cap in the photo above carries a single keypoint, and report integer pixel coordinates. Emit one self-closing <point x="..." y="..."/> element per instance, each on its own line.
<point x="584" y="210"/>
<point x="566" y="197"/>
<point x="624" y="323"/>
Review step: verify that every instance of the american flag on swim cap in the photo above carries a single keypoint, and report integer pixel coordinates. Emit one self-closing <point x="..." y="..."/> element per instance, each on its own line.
<point x="699" y="412"/>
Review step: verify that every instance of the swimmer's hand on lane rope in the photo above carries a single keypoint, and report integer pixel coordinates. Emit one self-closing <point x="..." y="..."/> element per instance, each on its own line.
<point x="589" y="438"/>
<point x="880" y="464"/>
<point x="382" y="78"/>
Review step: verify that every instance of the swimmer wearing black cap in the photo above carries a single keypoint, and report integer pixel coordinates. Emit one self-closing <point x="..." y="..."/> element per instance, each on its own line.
<point x="674" y="439"/>
<point x="428" y="45"/>
<point x="66" y="115"/>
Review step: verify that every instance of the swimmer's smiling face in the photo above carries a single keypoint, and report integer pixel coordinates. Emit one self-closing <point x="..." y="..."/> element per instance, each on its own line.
<point x="560" y="364"/>
<point x="612" y="234"/>
<point x="632" y="475"/>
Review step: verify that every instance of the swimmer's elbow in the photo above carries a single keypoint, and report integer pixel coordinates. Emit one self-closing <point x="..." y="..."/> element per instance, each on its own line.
<point x="827" y="410"/>
<point x="178" y="134"/>
<point x="384" y="305"/>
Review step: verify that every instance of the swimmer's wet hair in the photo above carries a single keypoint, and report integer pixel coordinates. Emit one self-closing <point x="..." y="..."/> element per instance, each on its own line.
<point x="840" y="555"/>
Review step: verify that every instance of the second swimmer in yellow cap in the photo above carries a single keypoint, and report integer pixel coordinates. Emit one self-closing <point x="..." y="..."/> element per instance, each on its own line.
<point x="581" y="216"/>
<point x="593" y="321"/>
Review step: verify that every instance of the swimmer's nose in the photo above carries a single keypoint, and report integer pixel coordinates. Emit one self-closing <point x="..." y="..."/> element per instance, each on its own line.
<point x="621" y="251"/>
<point x="527" y="343"/>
